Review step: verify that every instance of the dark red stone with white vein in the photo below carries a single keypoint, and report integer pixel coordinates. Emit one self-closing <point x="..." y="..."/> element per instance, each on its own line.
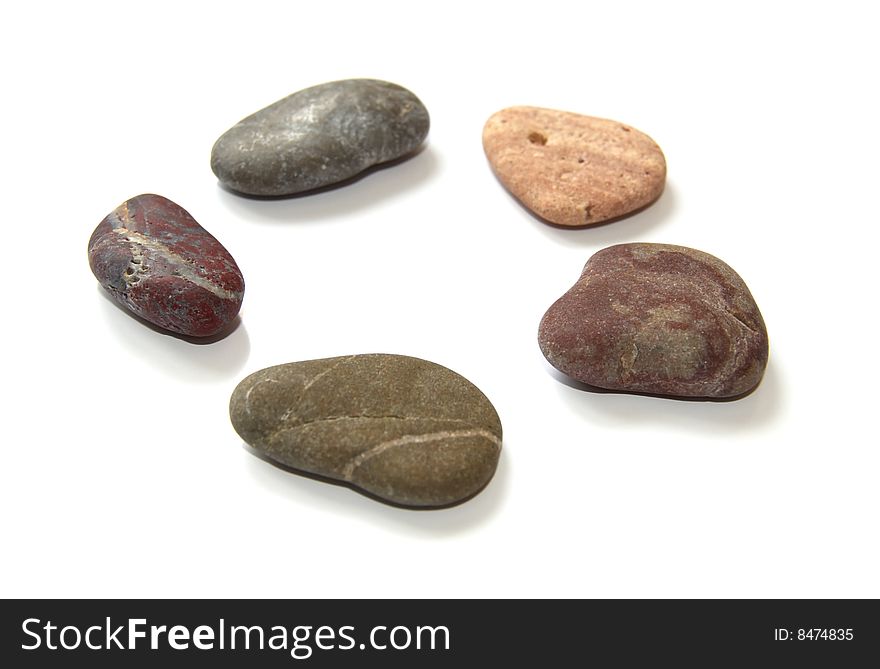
<point x="159" y="263"/>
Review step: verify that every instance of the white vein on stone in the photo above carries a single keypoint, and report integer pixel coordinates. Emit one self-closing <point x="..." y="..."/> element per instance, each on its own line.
<point x="184" y="268"/>
<point x="247" y="395"/>
<point x="407" y="440"/>
<point x="323" y="373"/>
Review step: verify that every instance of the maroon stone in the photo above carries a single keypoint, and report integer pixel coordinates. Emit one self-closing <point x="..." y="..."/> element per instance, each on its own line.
<point x="159" y="263"/>
<point x="657" y="318"/>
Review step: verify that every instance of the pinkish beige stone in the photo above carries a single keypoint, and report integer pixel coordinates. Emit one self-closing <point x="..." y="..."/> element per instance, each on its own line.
<point x="573" y="170"/>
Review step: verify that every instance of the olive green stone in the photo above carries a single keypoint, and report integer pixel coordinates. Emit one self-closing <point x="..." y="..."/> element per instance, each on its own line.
<point x="402" y="429"/>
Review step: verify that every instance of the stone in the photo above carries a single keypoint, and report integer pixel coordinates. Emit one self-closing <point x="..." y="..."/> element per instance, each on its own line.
<point x="402" y="429"/>
<point x="573" y="170"/>
<point x="658" y="319"/>
<point x="160" y="264"/>
<point x="320" y="136"/>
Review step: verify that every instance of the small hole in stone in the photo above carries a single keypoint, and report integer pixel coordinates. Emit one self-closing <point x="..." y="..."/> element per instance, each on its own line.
<point x="624" y="128"/>
<point x="580" y="160"/>
<point x="537" y="138"/>
<point x="129" y="271"/>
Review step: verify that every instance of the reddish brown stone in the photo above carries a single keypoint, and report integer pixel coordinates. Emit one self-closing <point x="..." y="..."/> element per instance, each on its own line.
<point x="158" y="262"/>
<point x="657" y="318"/>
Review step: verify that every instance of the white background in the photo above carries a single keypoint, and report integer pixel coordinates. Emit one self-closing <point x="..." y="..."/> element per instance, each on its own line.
<point x="121" y="474"/>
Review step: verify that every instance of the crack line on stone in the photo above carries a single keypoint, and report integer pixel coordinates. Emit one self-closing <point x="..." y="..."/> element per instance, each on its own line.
<point x="357" y="461"/>
<point x="742" y="322"/>
<point x="317" y="421"/>
<point x="331" y="419"/>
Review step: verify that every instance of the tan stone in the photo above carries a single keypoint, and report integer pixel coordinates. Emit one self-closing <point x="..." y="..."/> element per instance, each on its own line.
<point x="402" y="429"/>
<point x="570" y="169"/>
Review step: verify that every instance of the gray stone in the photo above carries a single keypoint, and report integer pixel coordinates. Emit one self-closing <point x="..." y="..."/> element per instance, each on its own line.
<point x="320" y="136"/>
<point x="403" y="429"/>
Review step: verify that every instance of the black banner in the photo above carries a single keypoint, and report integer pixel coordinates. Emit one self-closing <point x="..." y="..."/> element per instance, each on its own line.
<point x="334" y="633"/>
